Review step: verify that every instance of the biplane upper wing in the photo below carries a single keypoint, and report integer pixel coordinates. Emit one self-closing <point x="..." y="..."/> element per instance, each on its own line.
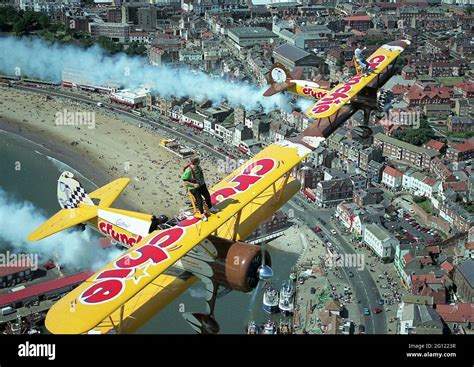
<point x="111" y="287"/>
<point x="163" y="290"/>
<point x="344" y="92"/>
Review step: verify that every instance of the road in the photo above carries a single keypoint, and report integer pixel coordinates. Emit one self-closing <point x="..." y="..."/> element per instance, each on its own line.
<point x="362" y="282"/>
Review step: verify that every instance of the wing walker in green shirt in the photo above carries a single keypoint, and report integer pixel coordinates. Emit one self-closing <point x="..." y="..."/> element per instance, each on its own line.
<point x="193" y="179"/>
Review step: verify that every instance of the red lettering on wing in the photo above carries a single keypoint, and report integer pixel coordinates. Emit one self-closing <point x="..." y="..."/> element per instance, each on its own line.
<point x="264" y="166"/>
<point x="221" y="194"/>
<point x="114" y="273"/>
<point x="102" y="292"/>
<point x="167" y="237"/>
<point x="244" y="181"/>
<point x="147" y="252"/>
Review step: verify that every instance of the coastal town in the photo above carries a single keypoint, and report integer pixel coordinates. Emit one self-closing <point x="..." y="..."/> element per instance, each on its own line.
<point x="384" y="217"/>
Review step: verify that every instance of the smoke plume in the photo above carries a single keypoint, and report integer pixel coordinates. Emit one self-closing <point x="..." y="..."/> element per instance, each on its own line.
<point x="71" y="249"/>
<point x="38" y="59"/>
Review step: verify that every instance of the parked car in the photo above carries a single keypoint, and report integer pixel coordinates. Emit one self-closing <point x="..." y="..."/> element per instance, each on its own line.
<point x="50" y="265"/>
<point x="377" y="310"/>
<point x="381" y="301"/>
<point x="366" y="311"/>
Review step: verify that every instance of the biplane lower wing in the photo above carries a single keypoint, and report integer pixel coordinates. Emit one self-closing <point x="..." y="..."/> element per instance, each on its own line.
<point x="110" y="288"/>
<point x="344" y="92"/>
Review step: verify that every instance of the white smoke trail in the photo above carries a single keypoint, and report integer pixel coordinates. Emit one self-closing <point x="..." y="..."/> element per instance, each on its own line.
<point x="74" y="250"/>
<point x="36" y="58"/>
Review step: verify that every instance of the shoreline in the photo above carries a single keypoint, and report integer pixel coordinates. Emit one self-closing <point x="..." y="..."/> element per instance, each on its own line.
<point x="60" y="152"/>
<point x="56" y="150"/>
<point x="115" y="147"/>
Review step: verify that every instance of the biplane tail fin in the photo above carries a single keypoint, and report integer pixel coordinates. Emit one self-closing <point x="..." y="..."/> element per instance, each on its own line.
<point x="280" y="79"/>
<point x="77" y="206"/>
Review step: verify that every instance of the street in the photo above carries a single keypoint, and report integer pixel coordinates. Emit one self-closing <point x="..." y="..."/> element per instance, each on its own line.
<point x="362" y="282"/>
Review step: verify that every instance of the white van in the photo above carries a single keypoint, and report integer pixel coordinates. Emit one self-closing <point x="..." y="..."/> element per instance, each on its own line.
<point x="7" y="310"/>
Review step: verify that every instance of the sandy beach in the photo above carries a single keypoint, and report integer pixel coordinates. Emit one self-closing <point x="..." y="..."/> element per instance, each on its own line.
<point x="113" y="148"/>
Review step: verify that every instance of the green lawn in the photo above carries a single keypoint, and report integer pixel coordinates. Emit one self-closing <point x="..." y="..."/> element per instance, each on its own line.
<point x="449" y="81"/>
<point x="426" y="206"/>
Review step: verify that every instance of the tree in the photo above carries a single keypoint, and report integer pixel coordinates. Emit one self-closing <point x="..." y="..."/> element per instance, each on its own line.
<point x="29" y="21"/>
<point x="416" y="136"/>
<point x="418" y="199"/>
<point x="135" y="48"/>
<point x="108" y="45"/>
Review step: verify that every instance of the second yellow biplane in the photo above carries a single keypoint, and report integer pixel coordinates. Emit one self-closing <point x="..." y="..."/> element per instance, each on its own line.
<point x="164" y="259"/>
<point x="329" y="101"/>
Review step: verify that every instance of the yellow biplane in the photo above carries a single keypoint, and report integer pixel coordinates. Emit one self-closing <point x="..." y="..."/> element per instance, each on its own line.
<point x="329" y="101"/>
<point x="164" y="259"/>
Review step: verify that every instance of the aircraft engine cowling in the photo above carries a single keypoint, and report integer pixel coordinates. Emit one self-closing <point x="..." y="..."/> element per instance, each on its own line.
<point x="236" y="264"/>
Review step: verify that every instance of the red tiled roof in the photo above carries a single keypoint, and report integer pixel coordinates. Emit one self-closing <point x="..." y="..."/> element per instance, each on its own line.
<point x="460" y="186"/>
<point x="420" y="92"/>
<point x="357" y="18"/>
<point x="426" y="260"/>
<point x="429" y="278"/>
<point x="461" y="312"/>
<point x="447" y="266"/>
<point x="429" y="181"/>
<point x="309" y="193"/>
<point x="399" y="89"/>
<point x="407" y="258"/>
<point x="464" y="147"/>
<point x="392" y="172"/>
<point x="466" y="86"/>
<point x="41" y="288"/>
<point x="469" y="245"/>
<point x="433" y="249"/>
<point x="435" y="144"/>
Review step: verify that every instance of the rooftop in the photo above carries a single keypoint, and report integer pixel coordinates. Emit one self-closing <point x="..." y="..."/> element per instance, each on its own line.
<point x="461" y="312"/>
<point x="291" y="52"/>
<point x="252" y="32"/>
<point x="467" y="270"/>
<point x="41" y="288"/>
<point x="413" y="148"/>
<point x="357" y="18"/>
<point x="392" y="172"/>
<point x="380" y="233"/>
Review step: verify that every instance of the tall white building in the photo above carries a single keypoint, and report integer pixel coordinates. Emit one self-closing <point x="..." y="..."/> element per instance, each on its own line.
<point x="380" y="241"/>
